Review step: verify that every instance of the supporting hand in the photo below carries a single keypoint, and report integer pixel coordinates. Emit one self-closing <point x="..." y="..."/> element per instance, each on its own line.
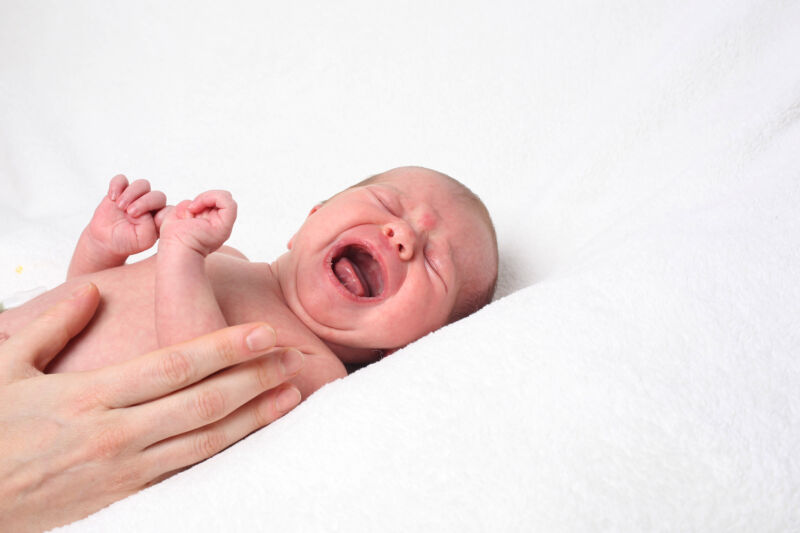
<point x="73" y="443"/>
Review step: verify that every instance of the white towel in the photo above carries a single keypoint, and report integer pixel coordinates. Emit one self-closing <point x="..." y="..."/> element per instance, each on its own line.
<point x="641" y="164"/>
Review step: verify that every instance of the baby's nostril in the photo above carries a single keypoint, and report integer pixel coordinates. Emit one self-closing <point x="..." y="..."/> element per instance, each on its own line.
<point x="400" y="248"/>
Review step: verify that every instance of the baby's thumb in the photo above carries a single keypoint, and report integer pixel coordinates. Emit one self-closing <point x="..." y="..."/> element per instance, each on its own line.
<point x="182" y="210"/>
<point x="162" y="213"/>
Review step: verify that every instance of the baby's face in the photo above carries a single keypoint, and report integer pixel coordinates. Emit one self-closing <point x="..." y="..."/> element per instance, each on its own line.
<point x="380" y="265"/>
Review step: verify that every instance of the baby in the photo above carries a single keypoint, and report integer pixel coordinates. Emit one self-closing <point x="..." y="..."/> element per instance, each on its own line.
<point x="372" y="269"/>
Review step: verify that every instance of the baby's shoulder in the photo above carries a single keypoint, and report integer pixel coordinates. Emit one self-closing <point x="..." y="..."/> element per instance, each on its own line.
<point x="233" y="252"/>
<point x="320" y="366"/>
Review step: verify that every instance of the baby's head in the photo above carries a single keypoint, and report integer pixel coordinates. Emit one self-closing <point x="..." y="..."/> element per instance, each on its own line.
<point x="389" y="260"/>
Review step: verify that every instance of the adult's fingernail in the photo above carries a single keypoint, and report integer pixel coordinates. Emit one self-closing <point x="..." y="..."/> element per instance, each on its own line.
<point x="287" y="399"/>
<point x="261" y="338"/>
<point x="291" y="361"/>
<point x="82" y="290"/>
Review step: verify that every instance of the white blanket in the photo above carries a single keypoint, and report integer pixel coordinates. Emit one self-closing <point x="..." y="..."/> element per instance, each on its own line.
<point x="641" y="161"/>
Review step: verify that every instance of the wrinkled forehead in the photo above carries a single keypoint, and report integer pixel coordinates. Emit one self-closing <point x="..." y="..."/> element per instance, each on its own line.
<point x="454" y="205"/>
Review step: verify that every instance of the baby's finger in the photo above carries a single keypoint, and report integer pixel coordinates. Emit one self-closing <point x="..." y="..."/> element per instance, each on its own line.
<point x="190" y="448"/>
<point x="116" y="186"/>
<point x="162" y="214"/>
<point x="134" y="191"/>
<point x="164" y="371"/>
<point x="151" y="201"/>
<point x="219" y="199"/>
<point x="214" y="398"/>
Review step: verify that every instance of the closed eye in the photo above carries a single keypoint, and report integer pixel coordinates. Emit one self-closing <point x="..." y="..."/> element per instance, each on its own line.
<point x="433" y="264"/>
<point x="392" y="210"/>
<point x="383" y="204"/>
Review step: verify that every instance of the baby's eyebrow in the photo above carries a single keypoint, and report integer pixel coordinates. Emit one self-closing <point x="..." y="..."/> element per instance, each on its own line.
<point x="393" y="190"/>
<point x="387" y="186"/>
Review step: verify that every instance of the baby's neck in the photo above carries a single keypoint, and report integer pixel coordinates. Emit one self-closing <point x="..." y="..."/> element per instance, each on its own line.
<point x="344" y="353"/>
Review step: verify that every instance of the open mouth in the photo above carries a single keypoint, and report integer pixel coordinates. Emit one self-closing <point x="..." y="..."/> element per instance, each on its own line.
<point x="358" y="271"/>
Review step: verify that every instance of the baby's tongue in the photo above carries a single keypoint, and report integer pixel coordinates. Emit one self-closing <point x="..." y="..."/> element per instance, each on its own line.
<point x="350" y="276"/>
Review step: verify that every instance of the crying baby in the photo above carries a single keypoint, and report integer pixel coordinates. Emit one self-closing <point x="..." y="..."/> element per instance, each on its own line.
<point x="371" y="269"/>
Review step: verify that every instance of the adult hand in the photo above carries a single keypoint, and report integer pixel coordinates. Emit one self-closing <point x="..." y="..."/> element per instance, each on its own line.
<point x="71" y="444"/>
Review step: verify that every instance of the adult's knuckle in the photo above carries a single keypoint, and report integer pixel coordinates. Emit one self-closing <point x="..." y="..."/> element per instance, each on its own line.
<point x="210" y="442"/>
<point x="176" y="369"/>
<point x="126" y="477"/>
<point x="227" y="352"/>
<point x="85" y="399"/>
<point x="209" y="405"/>
<point x="109" y="442"/>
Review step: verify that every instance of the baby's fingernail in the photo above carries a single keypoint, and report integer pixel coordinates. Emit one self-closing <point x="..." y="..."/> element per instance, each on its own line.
<point x="261" y="338"/>
<point x="132" y="211"/>
<point x="291" y="361"/>
<point x="287" y="399"/>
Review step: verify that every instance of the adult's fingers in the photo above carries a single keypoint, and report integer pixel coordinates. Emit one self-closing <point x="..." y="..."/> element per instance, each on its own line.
<point x="35" y="345"/>
<point x="190" y="448"/>
<point x="164" y="371"/>
<point x="214" y="398"/>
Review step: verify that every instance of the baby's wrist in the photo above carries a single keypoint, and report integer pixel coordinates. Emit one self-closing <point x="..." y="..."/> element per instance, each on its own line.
<point x="177" y="247"/>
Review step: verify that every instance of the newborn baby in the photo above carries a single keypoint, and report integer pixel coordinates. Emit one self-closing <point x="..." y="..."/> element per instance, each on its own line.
<point x="372" y="269"/>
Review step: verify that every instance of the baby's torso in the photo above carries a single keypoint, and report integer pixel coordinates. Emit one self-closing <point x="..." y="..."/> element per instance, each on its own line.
<point x="124" y="325"/>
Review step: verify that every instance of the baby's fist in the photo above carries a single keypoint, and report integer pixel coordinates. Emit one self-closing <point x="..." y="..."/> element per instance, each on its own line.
<point x="123" y="223"/>
<point x="202" y="224"/>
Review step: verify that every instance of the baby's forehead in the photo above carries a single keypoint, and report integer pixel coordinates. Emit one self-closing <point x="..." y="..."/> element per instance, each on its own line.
<point x="432" y="187"/>
<point x="447" y="196"/>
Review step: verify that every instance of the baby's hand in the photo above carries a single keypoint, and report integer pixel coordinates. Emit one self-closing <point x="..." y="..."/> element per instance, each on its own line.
<point x="123" y="223"/>
<point x="203" y="224"/>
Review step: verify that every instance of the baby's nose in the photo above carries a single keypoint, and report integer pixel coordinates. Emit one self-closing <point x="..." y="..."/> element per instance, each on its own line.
<point x="403" y="238"/>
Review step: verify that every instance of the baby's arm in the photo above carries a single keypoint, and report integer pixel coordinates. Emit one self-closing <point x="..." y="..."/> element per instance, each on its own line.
<point x="185" y="303"/>
<point x="122" y="225"/>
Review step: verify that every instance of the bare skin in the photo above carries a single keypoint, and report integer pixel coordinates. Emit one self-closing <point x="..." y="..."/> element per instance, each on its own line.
<point x="77" y="441"/>
<point x="124" y="325"/>
<point x="405" y="250"/>
<point x="72" y="443"/>
<point x="195" y="294"/>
